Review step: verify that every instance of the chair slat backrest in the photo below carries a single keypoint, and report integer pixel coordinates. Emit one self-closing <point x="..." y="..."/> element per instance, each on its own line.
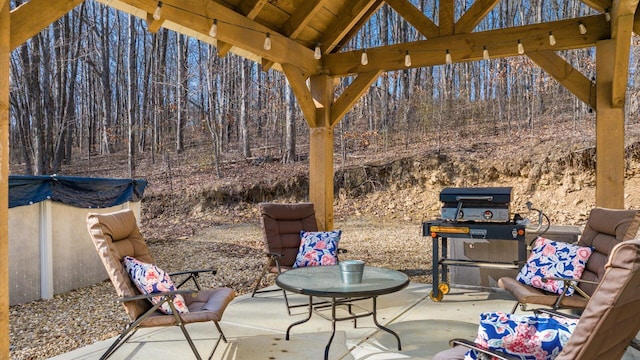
<point x="605" y="229"/>
<point x="612" y="317"/>
<point x="282" y="223"/>
<point x="116" y="235"/>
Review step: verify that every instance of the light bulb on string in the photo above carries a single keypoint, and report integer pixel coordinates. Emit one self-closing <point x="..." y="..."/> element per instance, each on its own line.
<point x="607" y="15"/>
<point x="552" y="39"/>
<point x="447" y="58"/>
<point x="407" y="59"/>
<point x="485" y="53"/>
<point x="520" y="47"/>
<point x="213" y="31"/>
<point x="364" y="59"/>
<point x="158" y="11"/>
<point x="582" y="28"/>
<point x="267" y="42"/>
<point x="317" y="53"/>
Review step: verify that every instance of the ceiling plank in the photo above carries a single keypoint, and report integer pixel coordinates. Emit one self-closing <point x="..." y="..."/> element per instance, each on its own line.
<point x="352" y="94"/>
<point x="572" y="79"/>
<point x="344" y="23"/>
<point x="468" y="47"/>
<point x="301" y="17"/>
<point x="474" y="15"/>
<point x="415" y="17"/>
<point x="445" y="17"/>
<point x="31" y="17"/>
<point x="251" y="8"/>
<point x="234" y="29"/>
<point x="599" y="5"/>
<point x="298" y="84"/>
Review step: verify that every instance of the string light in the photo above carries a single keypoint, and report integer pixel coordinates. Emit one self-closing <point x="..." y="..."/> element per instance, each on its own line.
<point x="520" y="47"/>
<point x="213" y="32"/>
<point x="364" y="59"/>
<point x="582" y="28"/>
<point x="267" y="42"/>
<point x="407" y="59"/>
<point x="447" y="58"/>
<point x="607" y="15"/>
<point x="158" y="11"/>
<point x="485" y="53"/>
<point x="552" y="39"/>
<point x="317" y="53"/>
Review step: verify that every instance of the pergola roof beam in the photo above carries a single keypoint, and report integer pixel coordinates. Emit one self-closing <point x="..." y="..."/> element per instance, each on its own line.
<point x="468" y="47"/>
<point x="415" y="17"/>
<point x="599" y="5"/>
<point x="31" y="17"/>
<point x="567" y="75"/>
<point x="301" y="18"/>
<point x="472" y="17"/>
<point x="445" y="17"/>
<point x="234" y="29"/>
<point x="352" y="94"/>
<point x="344" y="24"/>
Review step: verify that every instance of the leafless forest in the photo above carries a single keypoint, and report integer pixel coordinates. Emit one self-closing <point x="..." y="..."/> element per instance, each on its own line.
<point x="97" y="82"/>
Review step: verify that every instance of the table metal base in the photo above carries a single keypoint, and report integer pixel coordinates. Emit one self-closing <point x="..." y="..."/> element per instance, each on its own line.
<point x="349" y="303"/>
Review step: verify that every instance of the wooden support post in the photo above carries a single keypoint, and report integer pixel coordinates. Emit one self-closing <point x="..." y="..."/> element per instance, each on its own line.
<point x="4" y="177"/>
<point x="609" y="132"/>
<point x="321" y="152"/>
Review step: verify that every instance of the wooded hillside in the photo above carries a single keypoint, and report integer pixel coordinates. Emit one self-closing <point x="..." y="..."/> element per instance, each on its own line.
<point x="96" y="81"/>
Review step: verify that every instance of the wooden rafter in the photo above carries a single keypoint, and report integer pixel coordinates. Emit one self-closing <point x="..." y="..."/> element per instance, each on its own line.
<point x="567" y="75"/>
<point x="474" y="15"/>
<point x="468" y="47"/>
<point x="31" y="17"/>
<point x="344" y="24"/>
<point x="251" y="8"/>
<point x="352" y="94"/>
<point x="301" y="17"/>
<point x="298" y="84"/>
<point x="354" y="30"/>
<point x="445" y="17"/>
<point x="153" y="25"/>
<point x="599" y="5"/>
<point x="415" y="17"/>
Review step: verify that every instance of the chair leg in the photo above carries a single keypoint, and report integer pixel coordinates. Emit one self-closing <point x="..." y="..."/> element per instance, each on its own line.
<point x="221" y="337"/>
<point x="126" y="334"/>
<point x="515" y="307"/>
<point x="264" y="272"/>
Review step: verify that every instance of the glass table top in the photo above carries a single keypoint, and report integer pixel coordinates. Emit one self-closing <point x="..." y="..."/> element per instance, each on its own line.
<point x="325" y="281"/>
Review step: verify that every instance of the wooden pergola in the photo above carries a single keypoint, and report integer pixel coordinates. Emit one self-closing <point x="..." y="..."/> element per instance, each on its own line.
<point x="307" y="43"/>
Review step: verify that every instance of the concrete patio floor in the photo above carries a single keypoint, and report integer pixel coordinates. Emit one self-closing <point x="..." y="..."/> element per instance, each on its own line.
<point x="255" y="329"/>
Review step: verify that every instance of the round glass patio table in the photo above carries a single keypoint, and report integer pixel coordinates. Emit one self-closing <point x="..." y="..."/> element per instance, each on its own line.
<point x="325" y="282"/>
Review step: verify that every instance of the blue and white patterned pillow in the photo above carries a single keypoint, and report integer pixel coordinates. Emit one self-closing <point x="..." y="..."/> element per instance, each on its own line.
<point x="527" y="337"/>
<point x="150" y="279"/>
<point x="550" y="258"/>
<point x="318" y="248"/>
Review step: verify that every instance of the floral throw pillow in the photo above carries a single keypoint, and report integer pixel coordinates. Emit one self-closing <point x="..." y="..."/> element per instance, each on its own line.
<point x="527" y="337"/>
<point x="150" y="279"/>
<point x="550" y="258"/>
<point x="318" y="248"/>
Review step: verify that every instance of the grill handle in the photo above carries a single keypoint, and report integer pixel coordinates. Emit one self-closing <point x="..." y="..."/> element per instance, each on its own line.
<point x="486" y="198"/>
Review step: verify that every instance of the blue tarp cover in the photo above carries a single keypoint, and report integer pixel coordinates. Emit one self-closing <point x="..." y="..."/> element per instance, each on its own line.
<point x="76" y="191"/>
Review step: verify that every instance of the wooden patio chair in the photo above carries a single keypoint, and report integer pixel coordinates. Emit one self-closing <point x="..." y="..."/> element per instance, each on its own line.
<point x="609" y="322"/>
<point x="116" y="236"/>
<point x="604" y="229"/>
<point x="281" y="226"/>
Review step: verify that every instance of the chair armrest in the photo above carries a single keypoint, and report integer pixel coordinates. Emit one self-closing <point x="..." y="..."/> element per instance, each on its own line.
<point x="474" y="346"/>
<point x="573" y="283"/>
<point x="152" y="295"/>
<point x="552" y="312"/>
<point x="213" y="271"/>
<point x="193" y="275"/>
